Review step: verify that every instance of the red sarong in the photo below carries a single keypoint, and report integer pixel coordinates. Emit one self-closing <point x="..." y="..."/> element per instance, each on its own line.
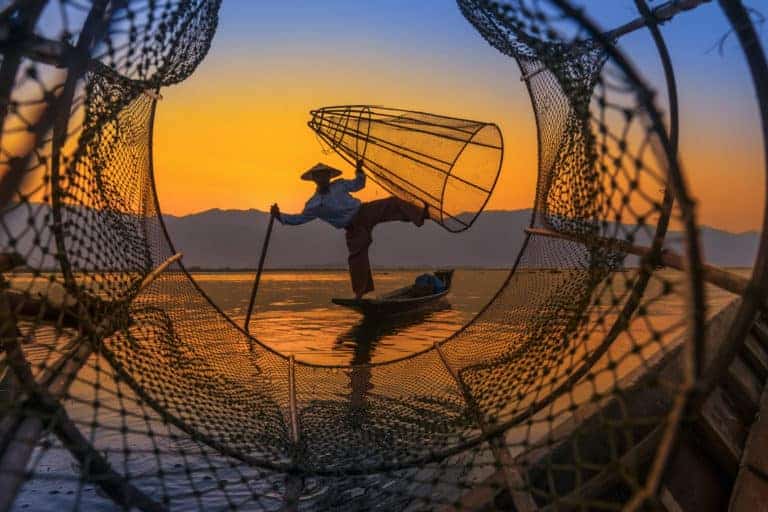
<point x="359" y="235"/>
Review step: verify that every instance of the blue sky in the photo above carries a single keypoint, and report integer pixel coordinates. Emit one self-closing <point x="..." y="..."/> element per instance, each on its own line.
<point x="272" y="61"/>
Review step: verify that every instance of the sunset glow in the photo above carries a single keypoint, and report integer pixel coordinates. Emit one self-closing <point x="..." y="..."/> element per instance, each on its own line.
<point x="234" y="136"/>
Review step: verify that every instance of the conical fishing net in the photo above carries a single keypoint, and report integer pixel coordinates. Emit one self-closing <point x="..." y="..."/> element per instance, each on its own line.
<point x="449" y="164"/>
<point x="125" y="386"/>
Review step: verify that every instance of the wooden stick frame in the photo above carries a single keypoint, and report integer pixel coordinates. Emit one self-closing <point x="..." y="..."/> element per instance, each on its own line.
<point x="660" y="14"/>
<point x="20" y="432"/>
<point x="712" y="274"/>
<point x="513" y="478"/>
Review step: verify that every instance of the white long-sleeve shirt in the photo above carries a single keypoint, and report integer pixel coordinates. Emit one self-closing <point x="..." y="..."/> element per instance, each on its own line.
<point x="336" y="207"/>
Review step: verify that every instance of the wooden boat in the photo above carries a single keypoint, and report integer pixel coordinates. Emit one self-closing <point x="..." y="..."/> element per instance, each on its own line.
<point x="723" y="445"/>
<point x="401" y="301"/>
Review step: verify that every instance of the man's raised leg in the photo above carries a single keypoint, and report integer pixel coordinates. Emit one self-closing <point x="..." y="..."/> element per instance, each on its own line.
<point x="393" y="209"/>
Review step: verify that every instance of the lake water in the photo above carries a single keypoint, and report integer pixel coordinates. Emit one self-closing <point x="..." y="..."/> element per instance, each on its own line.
<point x="294" y="313"/>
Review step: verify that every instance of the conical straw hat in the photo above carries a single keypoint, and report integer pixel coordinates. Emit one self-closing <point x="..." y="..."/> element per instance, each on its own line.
<point x="320" y="169"/>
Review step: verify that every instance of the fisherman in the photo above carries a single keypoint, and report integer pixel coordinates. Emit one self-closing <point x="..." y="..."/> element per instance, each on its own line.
<point x="333" y="203"/>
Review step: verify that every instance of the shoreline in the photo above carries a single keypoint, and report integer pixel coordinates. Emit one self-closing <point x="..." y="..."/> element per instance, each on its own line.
<point x="202" y="270"/>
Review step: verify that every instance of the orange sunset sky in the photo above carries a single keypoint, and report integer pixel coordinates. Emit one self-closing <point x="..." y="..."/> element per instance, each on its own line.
<point x="234" y="135"/>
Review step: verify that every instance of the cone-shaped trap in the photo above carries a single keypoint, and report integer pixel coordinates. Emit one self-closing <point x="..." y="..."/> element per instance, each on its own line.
<point x="449" y="163"/>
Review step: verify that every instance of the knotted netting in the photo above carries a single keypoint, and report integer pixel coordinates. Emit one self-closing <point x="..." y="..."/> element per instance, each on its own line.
<point x="123" y="375"/>
<point x="449" y="164"/>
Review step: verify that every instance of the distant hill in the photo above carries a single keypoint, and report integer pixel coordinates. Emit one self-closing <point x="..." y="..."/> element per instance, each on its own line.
<point x="219" y="239"/>
<point x="727" y="249"/>
<point x="232" y="238"/>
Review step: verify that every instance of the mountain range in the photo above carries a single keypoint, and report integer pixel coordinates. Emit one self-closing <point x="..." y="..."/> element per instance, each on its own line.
<point x="232" y="239"/>
<point x="219" y="239"/>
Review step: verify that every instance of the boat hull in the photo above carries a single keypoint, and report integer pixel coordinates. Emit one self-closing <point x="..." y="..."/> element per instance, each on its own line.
<point x="384" y="307"/>
<point x="399" y="302"/>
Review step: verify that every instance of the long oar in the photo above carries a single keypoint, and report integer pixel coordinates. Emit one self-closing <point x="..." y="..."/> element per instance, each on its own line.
<point x="258" y="272"/>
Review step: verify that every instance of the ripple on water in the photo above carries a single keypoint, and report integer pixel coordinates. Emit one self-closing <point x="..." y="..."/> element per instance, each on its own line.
<point x="294" y="316"/>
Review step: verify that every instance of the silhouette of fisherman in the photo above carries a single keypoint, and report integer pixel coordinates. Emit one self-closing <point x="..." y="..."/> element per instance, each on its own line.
<point x="333" y="203"/>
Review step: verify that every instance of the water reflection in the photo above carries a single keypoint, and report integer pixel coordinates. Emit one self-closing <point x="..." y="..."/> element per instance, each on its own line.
<point x="294" y="313"/>
<point x="362" y="339"/>
<point x="294" y="316"/>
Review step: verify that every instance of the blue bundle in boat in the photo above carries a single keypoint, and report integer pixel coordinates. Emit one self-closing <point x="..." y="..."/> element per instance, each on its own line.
<point x="429" y="284"/>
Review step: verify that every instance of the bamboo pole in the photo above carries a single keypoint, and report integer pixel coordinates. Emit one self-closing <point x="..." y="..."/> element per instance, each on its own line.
<point x="26" y="429"/>
<point x="19" y="435"/>
<point x="660" y="14"/>
<point x="95" y="26"/>
<point x="10" y="260"/>
<point x="62" y="312"/>
<point x="255" y="289"/>
<point x="292" y="399"/>
<point x="159" y="270"/>
<point x="712" y="274"/>
<point x="294" y="483"/>
<point x="523" y="501"/>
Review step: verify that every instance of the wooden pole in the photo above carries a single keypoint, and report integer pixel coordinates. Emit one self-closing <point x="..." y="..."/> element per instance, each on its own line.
<point x="10" y="260"/>
<point x="95" y="26"/>
<point x="294" y="483"/>
<point x="264" y="248"/>
<point x="155" y="273"/>
<point x="513" y="478"/>
<point x="19" y="435"/>
<point x="22" y="429"/>
<point x="660" y="14"/>
<point x="714" y="275"/>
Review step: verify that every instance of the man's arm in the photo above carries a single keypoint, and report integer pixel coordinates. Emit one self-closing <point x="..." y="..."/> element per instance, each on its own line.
<point x="359" y="182"/>
<point x="292" y="219"/>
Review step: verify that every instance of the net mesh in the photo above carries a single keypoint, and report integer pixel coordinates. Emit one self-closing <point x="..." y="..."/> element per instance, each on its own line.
<point x="125" y="386"/>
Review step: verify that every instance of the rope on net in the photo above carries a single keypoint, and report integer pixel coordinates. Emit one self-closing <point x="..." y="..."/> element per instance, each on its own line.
<point x="186" y="410"/>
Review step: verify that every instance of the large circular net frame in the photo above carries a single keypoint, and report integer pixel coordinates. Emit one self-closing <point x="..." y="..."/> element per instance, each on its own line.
<point x="121" y="365"/>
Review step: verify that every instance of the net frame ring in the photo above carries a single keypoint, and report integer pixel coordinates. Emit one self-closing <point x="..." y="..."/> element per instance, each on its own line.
<point x="336" y="134"/>
<point x="488" y="193"/>
<point x="365" y="111"/>
<point x="692" y="282"/>
<point x="347" y="119"/>
<point x="316" y="119"/>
